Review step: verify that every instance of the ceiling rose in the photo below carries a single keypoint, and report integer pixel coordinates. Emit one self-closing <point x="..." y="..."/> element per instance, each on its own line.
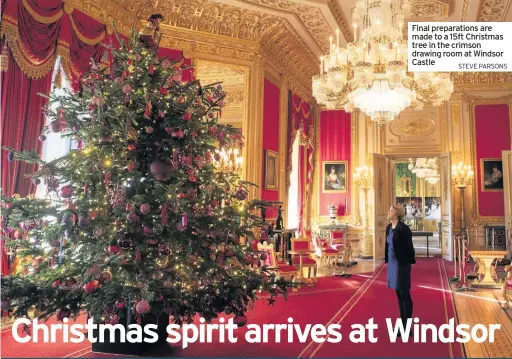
<point x="371" y="72"/>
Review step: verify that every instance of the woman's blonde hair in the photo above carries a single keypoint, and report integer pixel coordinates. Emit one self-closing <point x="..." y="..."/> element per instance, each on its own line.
<point x="400" y="211"/>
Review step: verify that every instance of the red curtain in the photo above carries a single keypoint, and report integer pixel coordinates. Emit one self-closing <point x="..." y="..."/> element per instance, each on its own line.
<point x="37" y="32"/>
<point x="300" y="118"/>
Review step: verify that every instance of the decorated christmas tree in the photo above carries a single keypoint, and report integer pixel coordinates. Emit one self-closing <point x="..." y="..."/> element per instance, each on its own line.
<point x="137" y="221"/>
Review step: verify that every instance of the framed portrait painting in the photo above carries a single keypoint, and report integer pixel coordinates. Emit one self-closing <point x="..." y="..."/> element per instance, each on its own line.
<point x="491" y="174"/>
<point x="334" y="176"/>
<point x="271" y="169"/>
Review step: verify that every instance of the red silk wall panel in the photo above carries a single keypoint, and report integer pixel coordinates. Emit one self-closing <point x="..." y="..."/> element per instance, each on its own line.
<point x="335" y="145"/>
<point x="270" y="136"/>
<point x="492" y="136"/>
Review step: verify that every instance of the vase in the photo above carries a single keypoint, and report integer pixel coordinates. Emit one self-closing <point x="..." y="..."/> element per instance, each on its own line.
<point x="333" y="212"/>
<point x="112" y="343"/>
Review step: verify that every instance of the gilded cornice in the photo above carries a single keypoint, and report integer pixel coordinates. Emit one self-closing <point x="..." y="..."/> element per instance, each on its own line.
<point x="493" y="10"/>
<point x="336" y="11"/>
<point x="208" y="44"/>
<point x="481" y="80"/>
<point x="106" y="11"/>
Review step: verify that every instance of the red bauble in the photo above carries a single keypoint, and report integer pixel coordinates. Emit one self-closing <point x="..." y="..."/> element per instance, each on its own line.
<point x="63" y="313"/>
<point x="54" y="126"/>
<point x="149" y="129"/>
<point x="187" y="116"/>
<point x="18" y="234"/>
<point x="164" y="91"/>
<point x="240" y="320"/>
<point x="66" y="191"/>
<point x="113" y="249"/>
<point x="142" y="307"/>
<point x="56" y="283"/>
<point x="91" y="287"/>
<point x="161" y="170"/>
<point x="148" y="231"/>
<point x="145" y="209"/>
<point x="132" y="217"/>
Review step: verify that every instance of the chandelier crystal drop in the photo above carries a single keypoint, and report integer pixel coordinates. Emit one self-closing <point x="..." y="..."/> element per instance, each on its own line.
<point x="426" y="168"/>
<point x="371" y="72"/>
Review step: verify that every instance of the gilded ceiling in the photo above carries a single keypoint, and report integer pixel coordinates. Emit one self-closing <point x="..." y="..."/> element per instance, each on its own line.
<point x="291" y="34"/>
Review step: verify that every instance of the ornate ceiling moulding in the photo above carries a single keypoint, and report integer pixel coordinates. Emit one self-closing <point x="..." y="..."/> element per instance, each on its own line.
<point x="481" y="80"/>
<point x="430" y="9"/>
<point x="208" y="44"/>
<point x="345" y="27"/>
<point x="310" y="16"/>
<point x="289" y="54"/>
<point x="493" y="10"/>
<point x="210" y="17"/>
<point x="107" y="12"/>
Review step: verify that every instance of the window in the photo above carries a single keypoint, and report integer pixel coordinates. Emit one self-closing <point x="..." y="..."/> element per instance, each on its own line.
<point x="55" y="145"/>
<point x="293" y="192"/>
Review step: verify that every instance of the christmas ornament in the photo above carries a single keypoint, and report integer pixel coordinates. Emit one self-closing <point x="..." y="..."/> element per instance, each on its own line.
<point x="105" y="140"/>
<point x="125" y="241"/>
<point x="91" y="286"/>
<point x="132" y="217"/>
<point x="162" y="262"/>
<point x="63" y="313"/>
<point x="5" y="304"/>
<point x="84" y="221"/>
<point x="42" y="138"/>
<point x="127" y="89"/>
<point x="161" y="170"/>
<point x="145" y="209"/>
<point x="10" y="156"/>
<point x="142" y="307"/>
<point x="67" y="219"/>
<point x="36" y="181"/>
<point x="97" y="232"/>
<point x="66" y="191"/>
<point x="56" y="283"/>
<point x="240" y="320"/>
<point x="54" y="126"/>
<point x="184" y="220"/>
<point x="149" y="129"/>
<point x="157" y="275"/>
<point x="148" y="231"/>
<point x="153" y="241"/>
<point x="187" y="116"/>
<point x="131" y="166"/>
<point x="113" y="249"/>
<point x="106" y="276"/>
<point x="18" y="234"/>
<point x="164" y="91"/>
<point x="240" y="194"/>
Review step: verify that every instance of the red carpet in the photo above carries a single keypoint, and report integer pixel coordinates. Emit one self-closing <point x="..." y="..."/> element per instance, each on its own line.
<point x="332" y="300"/>
<point x="431" y="305"/>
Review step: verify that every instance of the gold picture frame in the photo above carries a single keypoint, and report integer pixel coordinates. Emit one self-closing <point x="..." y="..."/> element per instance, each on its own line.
<point x="491" y="175"/>
<point x="271" y="169"/>
<point x="334" y="176"/>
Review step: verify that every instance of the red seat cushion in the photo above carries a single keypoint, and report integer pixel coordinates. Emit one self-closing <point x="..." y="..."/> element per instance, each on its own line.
<point x="337" y="235"/>
<point x="281" y="263"/>
<point x="329" y="250"/>
<point x="300" y="245"/>
<point x="287" y="268"/>
<point x="305" y="260"/>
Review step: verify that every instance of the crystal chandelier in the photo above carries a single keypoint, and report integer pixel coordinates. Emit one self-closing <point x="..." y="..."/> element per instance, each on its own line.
<point x="425" y="168"/>
<point x="371" y="73"/>
<point x="229" y="160"/>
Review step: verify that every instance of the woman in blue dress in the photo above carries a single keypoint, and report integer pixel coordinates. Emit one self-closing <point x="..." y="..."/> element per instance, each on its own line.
<point x="400" y="256"/>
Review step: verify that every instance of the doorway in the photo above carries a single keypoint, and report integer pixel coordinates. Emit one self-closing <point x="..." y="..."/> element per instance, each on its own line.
<point x="417" y="186"/>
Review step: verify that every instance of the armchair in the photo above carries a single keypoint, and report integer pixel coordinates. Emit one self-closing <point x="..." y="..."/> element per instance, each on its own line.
<point x="284" y="270"/>
<point x="304" y="244"/>
<point x="327" y="253"/>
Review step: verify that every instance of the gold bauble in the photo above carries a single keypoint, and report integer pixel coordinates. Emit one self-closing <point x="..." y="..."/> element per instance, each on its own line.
<point x="162" y="262"/>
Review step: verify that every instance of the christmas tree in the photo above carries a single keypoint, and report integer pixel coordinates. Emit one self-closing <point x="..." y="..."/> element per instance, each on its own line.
<point x="137" y="220"/>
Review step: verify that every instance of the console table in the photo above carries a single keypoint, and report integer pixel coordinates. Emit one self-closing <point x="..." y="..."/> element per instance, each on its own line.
<point x="484" y="258"/>
<point x="423" y="234"/>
